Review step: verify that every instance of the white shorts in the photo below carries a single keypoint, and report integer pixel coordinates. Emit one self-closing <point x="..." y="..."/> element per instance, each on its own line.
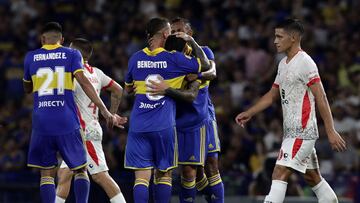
<point x="298" y="154"/>
<point x="95" y="157"/>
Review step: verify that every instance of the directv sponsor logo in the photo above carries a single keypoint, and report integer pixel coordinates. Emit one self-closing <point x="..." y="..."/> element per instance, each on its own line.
<point x="144" y="105"/>
<point x="43" y="104"/>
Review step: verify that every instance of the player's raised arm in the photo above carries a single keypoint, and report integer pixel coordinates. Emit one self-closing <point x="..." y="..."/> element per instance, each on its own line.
<point x="265" y="101"/>
<point x="162" y="88"/>
<point x="336" y="141"/>
<point x="207" y="75"/>
<point x="204" y="61"/>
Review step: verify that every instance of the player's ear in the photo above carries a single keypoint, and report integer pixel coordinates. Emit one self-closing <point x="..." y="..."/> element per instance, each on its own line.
<point x="42" y="40"/>
<point x="62" y="40"/>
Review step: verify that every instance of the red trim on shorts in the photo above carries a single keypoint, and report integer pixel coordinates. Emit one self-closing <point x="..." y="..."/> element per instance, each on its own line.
<point x="313" y="81"/>
<point x="92" y="152"/>
<point x="82" y="122"/>
<point x="306" y="108"/>
<point x="297" y="144"/>
<point x="109" y="85"/>
<point x="275" y="85"/>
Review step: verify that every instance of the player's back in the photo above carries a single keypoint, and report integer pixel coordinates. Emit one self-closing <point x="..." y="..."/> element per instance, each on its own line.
<point x="51" y="69"/>
<point x="191" y="115"/>
<point x="155" y="113"/>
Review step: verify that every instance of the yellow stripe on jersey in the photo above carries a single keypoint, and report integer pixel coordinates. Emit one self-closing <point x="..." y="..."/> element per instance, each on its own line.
<point x="199" y="62"/>
<point x="51" y="46"/>
<point x="174" y="83"/>
<point x="78" y="70"/>
<point x="204" y="84"/>
<point x="68" y="81"/>
<point x="154" y="52"/>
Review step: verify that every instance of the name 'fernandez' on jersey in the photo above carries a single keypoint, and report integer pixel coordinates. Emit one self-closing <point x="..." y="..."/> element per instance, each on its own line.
<point x="51" y="69"/>
<point x="155" y="113"/>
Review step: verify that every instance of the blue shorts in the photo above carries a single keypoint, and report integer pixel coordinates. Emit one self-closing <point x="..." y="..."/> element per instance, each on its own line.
<point x="212" y="136"/>
<point x="43" y="150"/>
<point x="192" y="144"/>
<point x="147" y="150"/>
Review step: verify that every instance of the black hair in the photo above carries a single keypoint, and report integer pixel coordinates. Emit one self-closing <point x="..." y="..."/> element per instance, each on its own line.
<point x="51" y="27"/>
<point x="292" y="25"/>
<point x="154" y="26"/>
<point x="180" y="19"/>
<point x="84" y="46"/>
<point x="175" y="43"/>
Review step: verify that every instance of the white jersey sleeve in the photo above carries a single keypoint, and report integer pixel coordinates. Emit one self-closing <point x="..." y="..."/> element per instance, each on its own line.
<point x="309" y="73"/>
<point x="105" y="80"/>
<point x="277" y="79"/>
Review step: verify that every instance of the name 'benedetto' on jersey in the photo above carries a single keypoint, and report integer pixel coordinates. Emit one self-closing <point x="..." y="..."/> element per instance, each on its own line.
<point x="155" y="113"/>
<point x="298" y="103"/>
<point x="51" y="69"/>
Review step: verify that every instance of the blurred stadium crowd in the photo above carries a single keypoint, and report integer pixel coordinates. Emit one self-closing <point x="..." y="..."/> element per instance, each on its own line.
<point x="241" y="35"/>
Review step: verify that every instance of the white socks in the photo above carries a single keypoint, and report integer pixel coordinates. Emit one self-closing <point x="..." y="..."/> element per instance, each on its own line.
<point x="324" y="193"/>
<point x="119" y="198"/>
<point x="277" y="192"/>
<point x="59" y="200"/>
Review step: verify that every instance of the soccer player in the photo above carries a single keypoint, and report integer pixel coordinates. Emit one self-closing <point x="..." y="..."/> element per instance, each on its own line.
<point x="89" y="121"/>
<point x="49" y="73"/>
<point x="299" y="86"/>
<point x="196" y="129"/>
<point x="151" y="139"/>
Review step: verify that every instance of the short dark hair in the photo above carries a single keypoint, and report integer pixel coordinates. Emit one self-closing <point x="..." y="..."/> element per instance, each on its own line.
<point x="292" y="25"/>
<point x="155" y="25"/>
<point x="51" y="27"/>
<point x="84" y="46"/>
<point x="180" y="19"/>
<point x="175" y="43"/>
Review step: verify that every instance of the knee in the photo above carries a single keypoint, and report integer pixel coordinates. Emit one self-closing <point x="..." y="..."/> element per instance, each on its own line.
<point x="281" y="173"/>
<point x="211" y="167"/>
<point x="312" y="177"/>
<point x="97" y="178"/>
<point x="188" y="172"/>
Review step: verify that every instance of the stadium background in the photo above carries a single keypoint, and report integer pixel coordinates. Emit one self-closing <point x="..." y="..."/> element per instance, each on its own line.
<point x="241" y="36"/>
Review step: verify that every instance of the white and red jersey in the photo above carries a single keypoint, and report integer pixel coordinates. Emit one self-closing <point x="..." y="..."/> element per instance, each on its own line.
<point x="89" y="113"/>
<point x="298" y="103"/>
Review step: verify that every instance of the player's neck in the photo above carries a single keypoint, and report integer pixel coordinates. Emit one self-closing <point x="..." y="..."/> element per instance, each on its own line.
<point x="154" y="44"/>
<point x="292" y="52"/>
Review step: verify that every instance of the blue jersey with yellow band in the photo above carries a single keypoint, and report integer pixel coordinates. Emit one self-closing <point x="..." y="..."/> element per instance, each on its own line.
<point x="191" y="115"/>
<point x="51" y="69"/>
<point x="155" y="113"/>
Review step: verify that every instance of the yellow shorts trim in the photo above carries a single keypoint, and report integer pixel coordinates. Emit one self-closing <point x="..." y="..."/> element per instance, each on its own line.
<point x="78" y="167"/>
<point x="41" y="167"/>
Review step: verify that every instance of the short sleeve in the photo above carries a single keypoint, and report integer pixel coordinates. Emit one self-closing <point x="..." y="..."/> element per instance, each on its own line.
<point x="129" y="81"/>
<point x="105" y="80"/>
<point x="309" y="73"/>
<point x="27" y="75"/>
<point x="186" y="64"/>
<point x="277" y="79"/>
<point x="208" y="53"/>
<point x="77" y="62"/>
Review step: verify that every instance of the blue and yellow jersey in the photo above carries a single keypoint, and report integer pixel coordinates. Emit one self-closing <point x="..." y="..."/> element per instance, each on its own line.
<point x="211" y="108"/>
<point x="191" y="115"/>
<point x="51" y="69"/>
<point x="155" y="113"/>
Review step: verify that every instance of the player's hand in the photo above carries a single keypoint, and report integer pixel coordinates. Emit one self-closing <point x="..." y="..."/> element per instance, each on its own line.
<point x="242" y="118"/>
<point x="110" y="118"/>
<point x="191" y="77"/>
<point x="120" y="121"/>
<point x="184" y="36"/>
<point x="336" y="141"/>
<point x="157" y="88"/>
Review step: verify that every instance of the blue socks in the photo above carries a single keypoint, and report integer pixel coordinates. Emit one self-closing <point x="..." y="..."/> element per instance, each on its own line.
<point x="141" y="191"/>
<point x="81" y="187"/>
<point x="216" y="189"/>
<point x="188" y="190"/>
<point x="162" y="192"/>
<point x="47" y="189"/>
